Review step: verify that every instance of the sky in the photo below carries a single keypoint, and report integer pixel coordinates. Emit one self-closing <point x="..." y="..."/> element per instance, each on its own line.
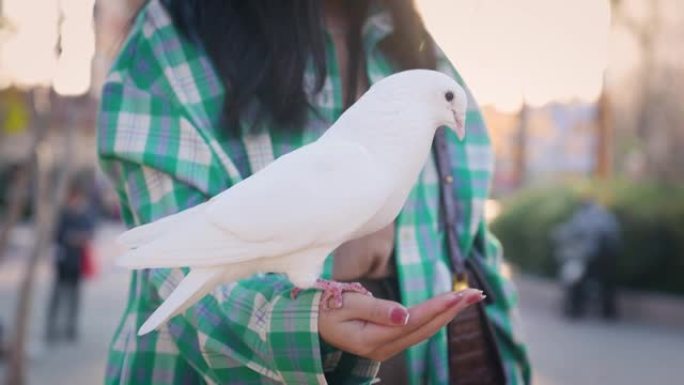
<point x="507" y="50"/>
<point x="27" y="55"/>
<point x="539" y="50"/>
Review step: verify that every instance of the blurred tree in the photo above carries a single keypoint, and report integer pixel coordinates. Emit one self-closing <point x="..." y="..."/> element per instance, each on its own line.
<point x="47" y="200"/>
<point x="48" y="193"/>
<point x="14" y="120"/>
<point x="17" y="198"/>
<point x="520" y="151"/>
<point x="603" y="168"/>
<point x="657" y="119"/>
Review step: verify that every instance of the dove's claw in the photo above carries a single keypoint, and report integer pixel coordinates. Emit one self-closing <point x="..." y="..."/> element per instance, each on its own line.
<point x="332" y="290"/>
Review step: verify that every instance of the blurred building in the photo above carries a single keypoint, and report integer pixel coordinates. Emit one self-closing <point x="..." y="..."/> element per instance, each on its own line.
<point x="68" y="100"/>
<point x="638" y="121"/>
<point x="74" y="42"/>
<point x="560" y="142"/>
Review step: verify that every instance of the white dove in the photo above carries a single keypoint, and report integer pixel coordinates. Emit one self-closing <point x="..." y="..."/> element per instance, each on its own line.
<point x="290" y="215"/>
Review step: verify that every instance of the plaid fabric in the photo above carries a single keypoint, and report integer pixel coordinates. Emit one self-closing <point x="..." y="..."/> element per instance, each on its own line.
<point x="158" y="145"/>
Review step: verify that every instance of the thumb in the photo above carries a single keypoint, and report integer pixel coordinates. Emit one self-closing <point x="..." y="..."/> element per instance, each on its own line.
<point x="378" y="311"/>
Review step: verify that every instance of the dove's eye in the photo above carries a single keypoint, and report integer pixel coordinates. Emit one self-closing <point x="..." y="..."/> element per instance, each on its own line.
<point x="449" y="96"/>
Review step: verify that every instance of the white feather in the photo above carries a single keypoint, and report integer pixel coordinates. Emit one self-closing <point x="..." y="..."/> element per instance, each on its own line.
<point x="192" y="288"/>
<point x="143" y="234"/>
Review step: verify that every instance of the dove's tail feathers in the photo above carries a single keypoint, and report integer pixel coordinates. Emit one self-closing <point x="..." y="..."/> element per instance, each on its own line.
<point x="191" y="289"/>
<point x="146" y="233"/>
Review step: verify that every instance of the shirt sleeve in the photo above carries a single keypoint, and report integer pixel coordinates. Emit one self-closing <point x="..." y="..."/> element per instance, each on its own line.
<point x="253" y="323"/>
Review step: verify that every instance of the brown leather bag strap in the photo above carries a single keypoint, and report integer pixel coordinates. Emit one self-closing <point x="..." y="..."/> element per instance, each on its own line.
<point x="449" y="222"/>
<point x="449" y="210"/>
<point x="474" y="355"/>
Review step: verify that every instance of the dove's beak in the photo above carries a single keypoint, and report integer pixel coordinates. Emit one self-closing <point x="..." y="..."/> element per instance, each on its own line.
<point x="458" y="125"/>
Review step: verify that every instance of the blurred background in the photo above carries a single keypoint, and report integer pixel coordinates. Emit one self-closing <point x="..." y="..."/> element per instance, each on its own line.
<point x="584" y="104"/>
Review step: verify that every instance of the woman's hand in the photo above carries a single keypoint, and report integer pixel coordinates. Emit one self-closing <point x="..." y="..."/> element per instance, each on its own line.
<point x="378" y="329"/>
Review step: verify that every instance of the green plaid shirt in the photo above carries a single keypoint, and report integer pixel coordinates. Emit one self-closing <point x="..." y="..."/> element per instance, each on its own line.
<point x="158" y="144"/>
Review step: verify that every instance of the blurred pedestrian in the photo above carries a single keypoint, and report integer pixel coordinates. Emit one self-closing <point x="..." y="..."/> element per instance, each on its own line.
<point x="73" y="233"/>
<point x="586" y="247"/>
<point x="2" y="340"/>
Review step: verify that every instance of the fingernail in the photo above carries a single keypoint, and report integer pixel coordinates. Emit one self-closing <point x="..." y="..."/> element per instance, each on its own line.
<point x="475" y="298"/>
<point x="468" y="294"/>
<point x="399" y="316"/>
<point x="454" y="299"/>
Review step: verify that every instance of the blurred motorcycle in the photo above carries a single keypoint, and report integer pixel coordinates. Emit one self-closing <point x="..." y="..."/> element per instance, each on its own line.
<point x="585" y="248"/>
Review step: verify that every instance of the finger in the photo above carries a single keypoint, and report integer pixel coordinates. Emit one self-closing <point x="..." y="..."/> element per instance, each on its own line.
<point x="429" y="329"/>
<point x="377" y="311"/>
<point x="428" y="310"/>
<point x="423" y="314"/>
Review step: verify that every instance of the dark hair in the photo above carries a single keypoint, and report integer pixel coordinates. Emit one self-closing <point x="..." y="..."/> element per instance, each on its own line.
<point x="260" y="48"/>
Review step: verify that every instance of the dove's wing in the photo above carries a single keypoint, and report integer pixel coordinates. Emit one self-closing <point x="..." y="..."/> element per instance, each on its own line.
<point x="146" y="233"/>
<point x="315" y="196"/>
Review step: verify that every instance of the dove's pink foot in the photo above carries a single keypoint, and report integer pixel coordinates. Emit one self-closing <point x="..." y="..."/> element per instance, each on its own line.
<point x="332" y="290"/>
<point x="295" y="292"/>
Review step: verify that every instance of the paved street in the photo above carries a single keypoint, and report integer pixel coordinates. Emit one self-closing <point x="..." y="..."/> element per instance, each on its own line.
<point x="564" y="353"/>
<point x="598" y="353"/>
<point x="103" y="299"/>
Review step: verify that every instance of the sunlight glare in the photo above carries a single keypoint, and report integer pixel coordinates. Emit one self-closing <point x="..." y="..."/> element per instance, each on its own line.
<point x="78" y="47"/>
<point x="539" y="50"/>
<point x="29" y="57"/>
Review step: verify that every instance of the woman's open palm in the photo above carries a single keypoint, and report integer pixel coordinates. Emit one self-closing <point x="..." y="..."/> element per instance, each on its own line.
<point x="378" y="329"/>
